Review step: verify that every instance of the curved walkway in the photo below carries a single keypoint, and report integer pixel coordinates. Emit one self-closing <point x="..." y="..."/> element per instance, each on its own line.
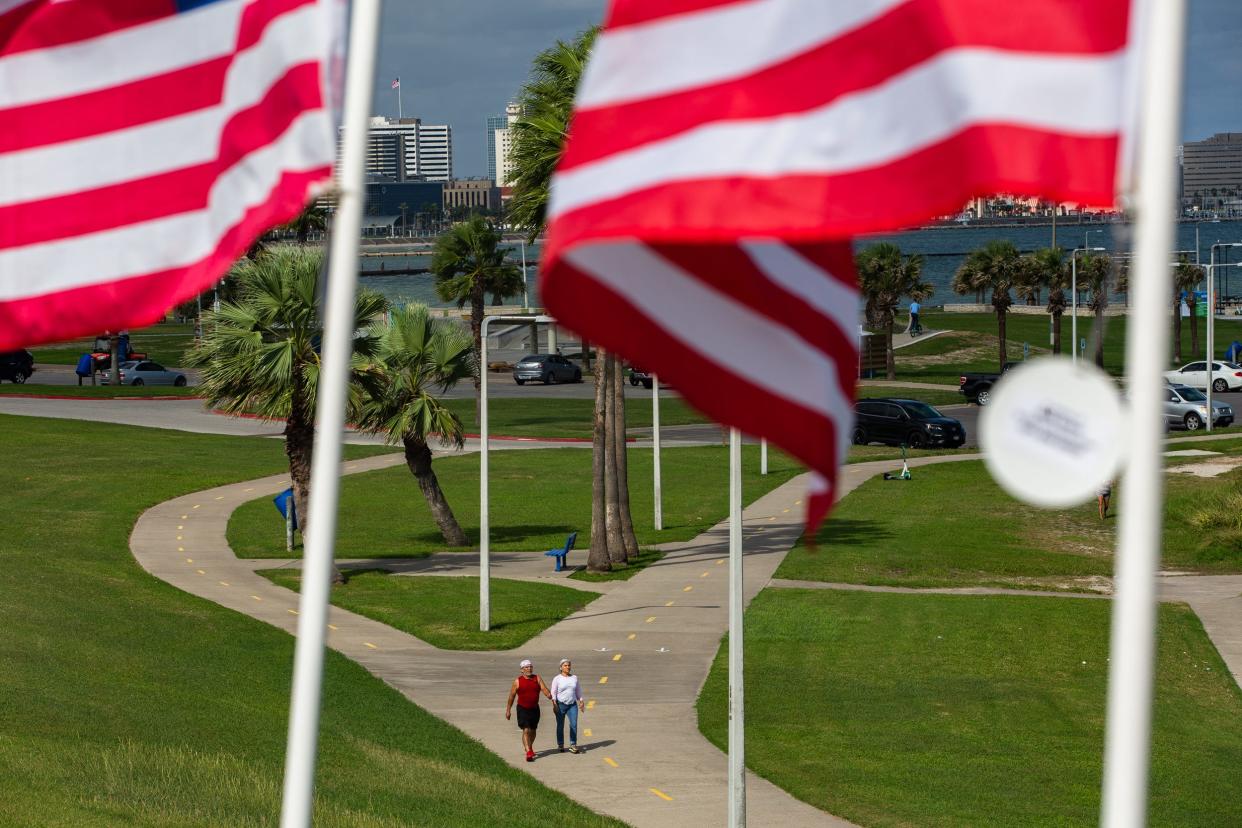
<point x="643" y="650"/>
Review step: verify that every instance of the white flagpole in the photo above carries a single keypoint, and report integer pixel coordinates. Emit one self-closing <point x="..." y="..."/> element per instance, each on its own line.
<point x="737" y="720"/>
<point x="330" y="418"/>
<point x="1133" y="637"/>
<point x="400" y="111"/>
<point x="763" y="455"/>
<point x="655" y="459"/>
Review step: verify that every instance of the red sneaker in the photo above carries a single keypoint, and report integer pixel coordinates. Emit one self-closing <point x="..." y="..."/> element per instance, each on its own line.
<point x="530" y="756"/>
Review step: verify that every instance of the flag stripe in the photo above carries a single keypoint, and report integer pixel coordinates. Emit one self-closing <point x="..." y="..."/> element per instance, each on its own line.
<point x="643" y="11"/>
<point x="174" y="241"/>
<point x="169" y="193"/>
<point x="934" y="181"/>
<point x="913" y="111"/>
<point x="857" y="60"/>
<point x="143" y="300"/>
<point x="40" y="24"/>
<point x="618" y="324"/>
<point x="165" y="145"/>
<point x="716" y="326"/>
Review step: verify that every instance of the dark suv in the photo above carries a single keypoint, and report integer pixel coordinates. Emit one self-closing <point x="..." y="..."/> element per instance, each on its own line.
<point x="16" y="366"/>
<point x="547" y="368"/>
<point x="908" y="422"/>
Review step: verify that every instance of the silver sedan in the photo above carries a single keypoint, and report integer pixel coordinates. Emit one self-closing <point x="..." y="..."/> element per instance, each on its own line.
<point x="146" y="373"/>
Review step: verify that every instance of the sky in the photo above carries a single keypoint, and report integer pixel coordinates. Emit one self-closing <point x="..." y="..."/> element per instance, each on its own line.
<point x="462" y="60"/>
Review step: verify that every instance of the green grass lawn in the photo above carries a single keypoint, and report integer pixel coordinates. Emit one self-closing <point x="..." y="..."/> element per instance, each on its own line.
<point x="952" y="525"/>
<point x="97" y="392"/>
<point x="131" y="702"/>
<point x="165" y="343"/>
<point x="973" y="347"/>
<point x="557" y="417"/>
<point x="927" y="395"/>
<point x="538" y="497"/>
<point x="444" y="611"/>
<point x="907" y="710"/>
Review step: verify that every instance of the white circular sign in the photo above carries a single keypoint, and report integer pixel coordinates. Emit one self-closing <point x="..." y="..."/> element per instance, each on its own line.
<point x="1053" y="433"/>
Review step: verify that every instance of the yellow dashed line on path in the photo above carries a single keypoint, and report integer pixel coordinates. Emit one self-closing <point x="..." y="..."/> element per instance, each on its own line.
<point x="196" y="505"/>
<point x="179" y="528"/>
<point x="720" y="561"/>
<point x="771" y="519"/>
<point x="603" y="679"/>
<point x="200" y="572"/>
<point x="784" y="511"/>
<point x="650" y="618"/>
<point x="369" y="644"/>
<point x="219" y="497"/>
<point x="183" y="517"/>
<point x="631" y="636"/>
<point x="705" y="574"/>
<point x="179" y="537"/>
<point x="617" y="657"/>
<point x="224" y="583"/>
<point x="587" y="732"/>
<point x="189" y="560"/>
<point x="661" y="794"/>
<point x="180" y="548"/>
<point x="333" y="627"/>
<point x="292" y="612"/>
<point x="797" y="502"/>
<point x="610" y="761"/>
<point x="251" y="489"/>
<point x="591" y="704"/>
<point x="686" y="588"/>
<point x="668" y="603"/>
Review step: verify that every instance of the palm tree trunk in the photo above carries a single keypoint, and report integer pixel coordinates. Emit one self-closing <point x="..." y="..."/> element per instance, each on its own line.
<point x="890" y="362"/>
<point x="1000" y="330"/>
<point x="1098" y="333"/>
<point x="586" y="356"/>
<point x="1177" y="327"/>
<point x="1056" y="332"/>
<point x="597" y="557"/>
<point x="299" y="448"/>
<point x="629" y="541"/>
<point x="612" y="502"/>
<point x="418" y="459"/>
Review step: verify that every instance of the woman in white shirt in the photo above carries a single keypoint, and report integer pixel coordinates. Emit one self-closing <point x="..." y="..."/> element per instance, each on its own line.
<point x="566" y="702"/>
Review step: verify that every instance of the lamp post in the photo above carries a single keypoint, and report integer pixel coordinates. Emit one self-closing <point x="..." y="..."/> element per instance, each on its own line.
<point x="525" y="296"/>
<point x="655" y="458"/>
<point x="1074" y="294"/>
<point x="485" y="615"/>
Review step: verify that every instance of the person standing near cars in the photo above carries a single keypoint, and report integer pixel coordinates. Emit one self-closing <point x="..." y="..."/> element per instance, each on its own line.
<point x="526" y="689"/>
<point x="566" y="703"/>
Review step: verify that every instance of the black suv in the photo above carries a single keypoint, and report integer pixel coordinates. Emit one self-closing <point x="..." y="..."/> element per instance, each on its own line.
<point x="16" y="366"/>
<point x="905" y="422"/>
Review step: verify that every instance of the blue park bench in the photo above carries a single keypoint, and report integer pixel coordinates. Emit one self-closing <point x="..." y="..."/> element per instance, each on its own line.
<point x="563" y="552"/>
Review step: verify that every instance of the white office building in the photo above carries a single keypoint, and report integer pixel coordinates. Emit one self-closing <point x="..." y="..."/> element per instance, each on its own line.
<point x="406" y="149"/>
<point x="500" y="144"/>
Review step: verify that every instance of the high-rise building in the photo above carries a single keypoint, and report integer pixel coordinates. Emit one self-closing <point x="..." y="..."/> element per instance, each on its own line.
<point x="1212" y="169"/>
<point x="494" y="122"/>
<point x="406" y="149"/>
<point x="501" y="144"/>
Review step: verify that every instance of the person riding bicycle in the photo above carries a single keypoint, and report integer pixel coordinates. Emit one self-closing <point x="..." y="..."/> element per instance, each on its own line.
<point x="915" y="327"/>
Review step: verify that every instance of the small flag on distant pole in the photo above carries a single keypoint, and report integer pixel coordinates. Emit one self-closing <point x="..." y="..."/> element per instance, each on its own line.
<point x="396" y="84"/>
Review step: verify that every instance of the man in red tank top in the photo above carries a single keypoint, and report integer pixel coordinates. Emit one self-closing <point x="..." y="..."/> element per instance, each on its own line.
<point x="526" y="689"/>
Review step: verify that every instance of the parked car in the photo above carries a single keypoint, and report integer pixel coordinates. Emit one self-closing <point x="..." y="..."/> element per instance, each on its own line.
<point x="16" y="366"/>
<point x="638" y="376"/>
<point x="146" y="373"/>
<point x="1186" y="407"/>
<point x="1226" y="376"/>
<point x="547" y="368"/>
<point x="905" y="422"/>
<point x="977" y="388"/>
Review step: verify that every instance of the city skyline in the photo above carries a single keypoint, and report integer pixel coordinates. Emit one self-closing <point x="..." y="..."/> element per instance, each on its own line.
<point x="461" y="63"/>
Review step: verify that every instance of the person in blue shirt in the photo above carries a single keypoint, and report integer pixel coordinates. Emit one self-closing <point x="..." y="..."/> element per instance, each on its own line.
<point x="915" y="327"/>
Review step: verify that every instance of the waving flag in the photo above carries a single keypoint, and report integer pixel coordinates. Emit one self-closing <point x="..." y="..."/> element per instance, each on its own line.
<point x="396" y="84"/>
<point x="722" y="152"/>
<point x="145" y="144"/>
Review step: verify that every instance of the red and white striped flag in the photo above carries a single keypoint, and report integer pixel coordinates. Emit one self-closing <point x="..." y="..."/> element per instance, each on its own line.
<point x="722" y="152"/>
<point x="145" y="144"/>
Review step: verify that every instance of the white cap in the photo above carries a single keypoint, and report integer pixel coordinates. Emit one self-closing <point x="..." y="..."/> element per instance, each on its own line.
<point x="565" y="661"/>
<point x="526" y="663"/>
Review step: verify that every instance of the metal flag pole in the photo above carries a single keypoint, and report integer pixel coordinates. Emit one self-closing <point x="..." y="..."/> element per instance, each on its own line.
<point x="400" y="110"/>
<point x="763" y="455"/>
<point x="1132" y="645"/>
<point x="737" y="719"/>
<point x="655" y="457"/>
<point x="330" y="418"/>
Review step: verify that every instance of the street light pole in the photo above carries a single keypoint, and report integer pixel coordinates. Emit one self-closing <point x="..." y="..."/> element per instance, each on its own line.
<point x="485" y="613"/>
<point x="525" y="297"/>
<point x="655" y="433"/>
<point x="1210" y="333"/>
<point x="737" y="726"/>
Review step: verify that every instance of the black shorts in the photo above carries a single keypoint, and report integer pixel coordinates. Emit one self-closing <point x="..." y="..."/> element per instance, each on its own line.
<point x="528" y="717"/>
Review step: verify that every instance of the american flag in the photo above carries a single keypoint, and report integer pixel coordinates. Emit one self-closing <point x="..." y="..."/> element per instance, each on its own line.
<point x="722" y="153"/>
<point x="396" y="83"/>
<point x="145" y="145"/>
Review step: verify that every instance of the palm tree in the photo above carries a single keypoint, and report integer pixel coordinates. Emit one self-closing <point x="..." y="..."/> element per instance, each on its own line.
<point x="260" y="352"/>
<point x="1186" y="277"/>
<point x="312" y="218"/>
<point x="1097" y="273"/>
<point x="992" y="267"/>
<point x="1046" y="268"/>
<point x="468" y="262"/>
<point x="885" y="277"/>
<point x="418" y="357"/>
<point x="539" y="135"/>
